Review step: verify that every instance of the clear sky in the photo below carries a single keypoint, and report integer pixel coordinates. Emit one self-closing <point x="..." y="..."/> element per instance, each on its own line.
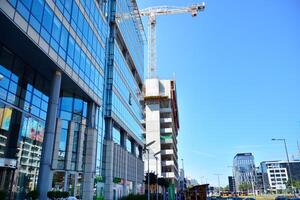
<point x="237" y="67"/>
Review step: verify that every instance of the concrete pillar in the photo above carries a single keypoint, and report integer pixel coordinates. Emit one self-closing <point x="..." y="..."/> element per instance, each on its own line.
<point x="126" y="173"/>
<point x="56" y="144"/>
<point x="69" y="149"/>
<point x="75" y="183"/>
<point x="45" y="173"/>
<point x="108" y="186"/>
<point x="66" y="188"/>
<point x="90" y="156"/>
<point x="80" y="148"/>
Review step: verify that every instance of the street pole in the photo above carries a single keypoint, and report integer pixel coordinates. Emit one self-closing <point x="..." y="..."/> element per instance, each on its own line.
<point x="219" y="183"/>
<point x="148" y="185"/>
<point x="288" y="161"/>
<point x="156" y="179"/>
<point x="146" y="149"/>
<point x="252" y="179"/>
<point x="156" y="159"/>
<point x="298" y="148"/>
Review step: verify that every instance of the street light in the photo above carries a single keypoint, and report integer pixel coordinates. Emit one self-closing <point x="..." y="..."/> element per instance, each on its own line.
<point x="157" y="173"/>
<point x="219" y="183"/>
<point x="287" y="157"/>
<point x="146" y="149"/>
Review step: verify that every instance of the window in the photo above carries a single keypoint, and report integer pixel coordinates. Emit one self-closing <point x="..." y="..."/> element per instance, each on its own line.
<point x="47" y="19"/>
<point x="23" y="10"/>
<point x="116" y="136"/>
<point x="71" y="47"/>
<point x="129" y="100"/>
<point x="37" y="9"/>
<point x="128" y="145"/>
<point x="67" y="103"/>
<point x="63" y="140"/>
<point x="64" y="38"/>
<point x="56" y="29"/>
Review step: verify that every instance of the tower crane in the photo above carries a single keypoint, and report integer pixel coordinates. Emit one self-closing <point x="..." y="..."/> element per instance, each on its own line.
<point x="152" y="13"/>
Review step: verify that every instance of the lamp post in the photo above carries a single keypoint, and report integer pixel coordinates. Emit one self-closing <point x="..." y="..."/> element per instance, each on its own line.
<point x="156" y="158"/>
<point x="146" y="149"/>
<point x="219" y="183"/>
<point x="287" y="157"/>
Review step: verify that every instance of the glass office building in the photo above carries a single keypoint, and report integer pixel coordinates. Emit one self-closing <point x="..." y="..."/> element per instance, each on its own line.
<point x="244" y="170"/>
<point x="122" y="111"/>
<point x="71" y="73"/>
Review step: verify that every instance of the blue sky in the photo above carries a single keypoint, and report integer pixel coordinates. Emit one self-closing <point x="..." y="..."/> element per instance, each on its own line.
<point x="237" y="67"/>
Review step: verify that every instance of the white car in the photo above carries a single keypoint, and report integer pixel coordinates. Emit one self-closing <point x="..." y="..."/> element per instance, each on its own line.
<point x="71" y="198"/>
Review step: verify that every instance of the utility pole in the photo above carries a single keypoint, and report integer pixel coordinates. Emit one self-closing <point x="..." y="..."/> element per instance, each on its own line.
<point x="146" y="149"/>
<point x="219" y="185"/>
<point x="298" y="148"/>
<point x="288" y="160"/>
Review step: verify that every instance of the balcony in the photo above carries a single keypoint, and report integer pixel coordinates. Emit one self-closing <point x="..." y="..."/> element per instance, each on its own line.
<point x="167" y="152"/>
<point x="165" y="110"/>
<point x="167" y="163"/>
<point x="168" y="174"/>
<point x="166" y="120"/>
<point x="166" y="130"/>
<point x="166" y="141"/>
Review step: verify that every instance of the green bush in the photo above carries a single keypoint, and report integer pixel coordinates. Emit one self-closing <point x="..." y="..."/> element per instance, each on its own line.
<point x="135" y="197"/>
<point x="64" y="194"/>
<point x="51" y="195"/>
<point x="57" y="195"/>
<point x="2" y="195"/>
<point x="33" y="195"/>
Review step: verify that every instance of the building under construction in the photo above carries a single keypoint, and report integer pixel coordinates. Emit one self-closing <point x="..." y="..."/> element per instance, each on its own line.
<point x="161" y="125"/>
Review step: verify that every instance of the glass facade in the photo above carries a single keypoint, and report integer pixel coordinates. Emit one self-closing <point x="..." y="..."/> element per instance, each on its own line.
<point x="23" y="107"/>
<point x="131" y="34"/>
<point x="125" y="99"/>
<point x="243" y="169"/>
<point x="89" y="32"/>
<point x="71" y="109"/>
<point x="76" y="33"/>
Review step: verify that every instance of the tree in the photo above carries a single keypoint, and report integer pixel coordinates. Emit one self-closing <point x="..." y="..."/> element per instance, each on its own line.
<point x="296" y="184"/>
<point x="164" y="183"/>
<point x="244" y="187"/>
<point x="153" y="178"/>
<point x="226" y="188"/>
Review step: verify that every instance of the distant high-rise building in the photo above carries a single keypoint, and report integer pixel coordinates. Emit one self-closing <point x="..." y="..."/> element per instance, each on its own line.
<point x="161" y="124"/>
<point x="244" y="169"/>
<point x="275" y="174"/>
<point x="231" y="184"/>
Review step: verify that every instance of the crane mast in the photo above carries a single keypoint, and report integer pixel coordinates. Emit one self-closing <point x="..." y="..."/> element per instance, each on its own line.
<point x="152" y="13"/>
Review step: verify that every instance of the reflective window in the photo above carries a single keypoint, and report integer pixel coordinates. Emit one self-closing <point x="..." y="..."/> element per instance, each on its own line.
<point x="37" y="9"/>
<point x="116" y="135"/>
<point x="47" y="18"/>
